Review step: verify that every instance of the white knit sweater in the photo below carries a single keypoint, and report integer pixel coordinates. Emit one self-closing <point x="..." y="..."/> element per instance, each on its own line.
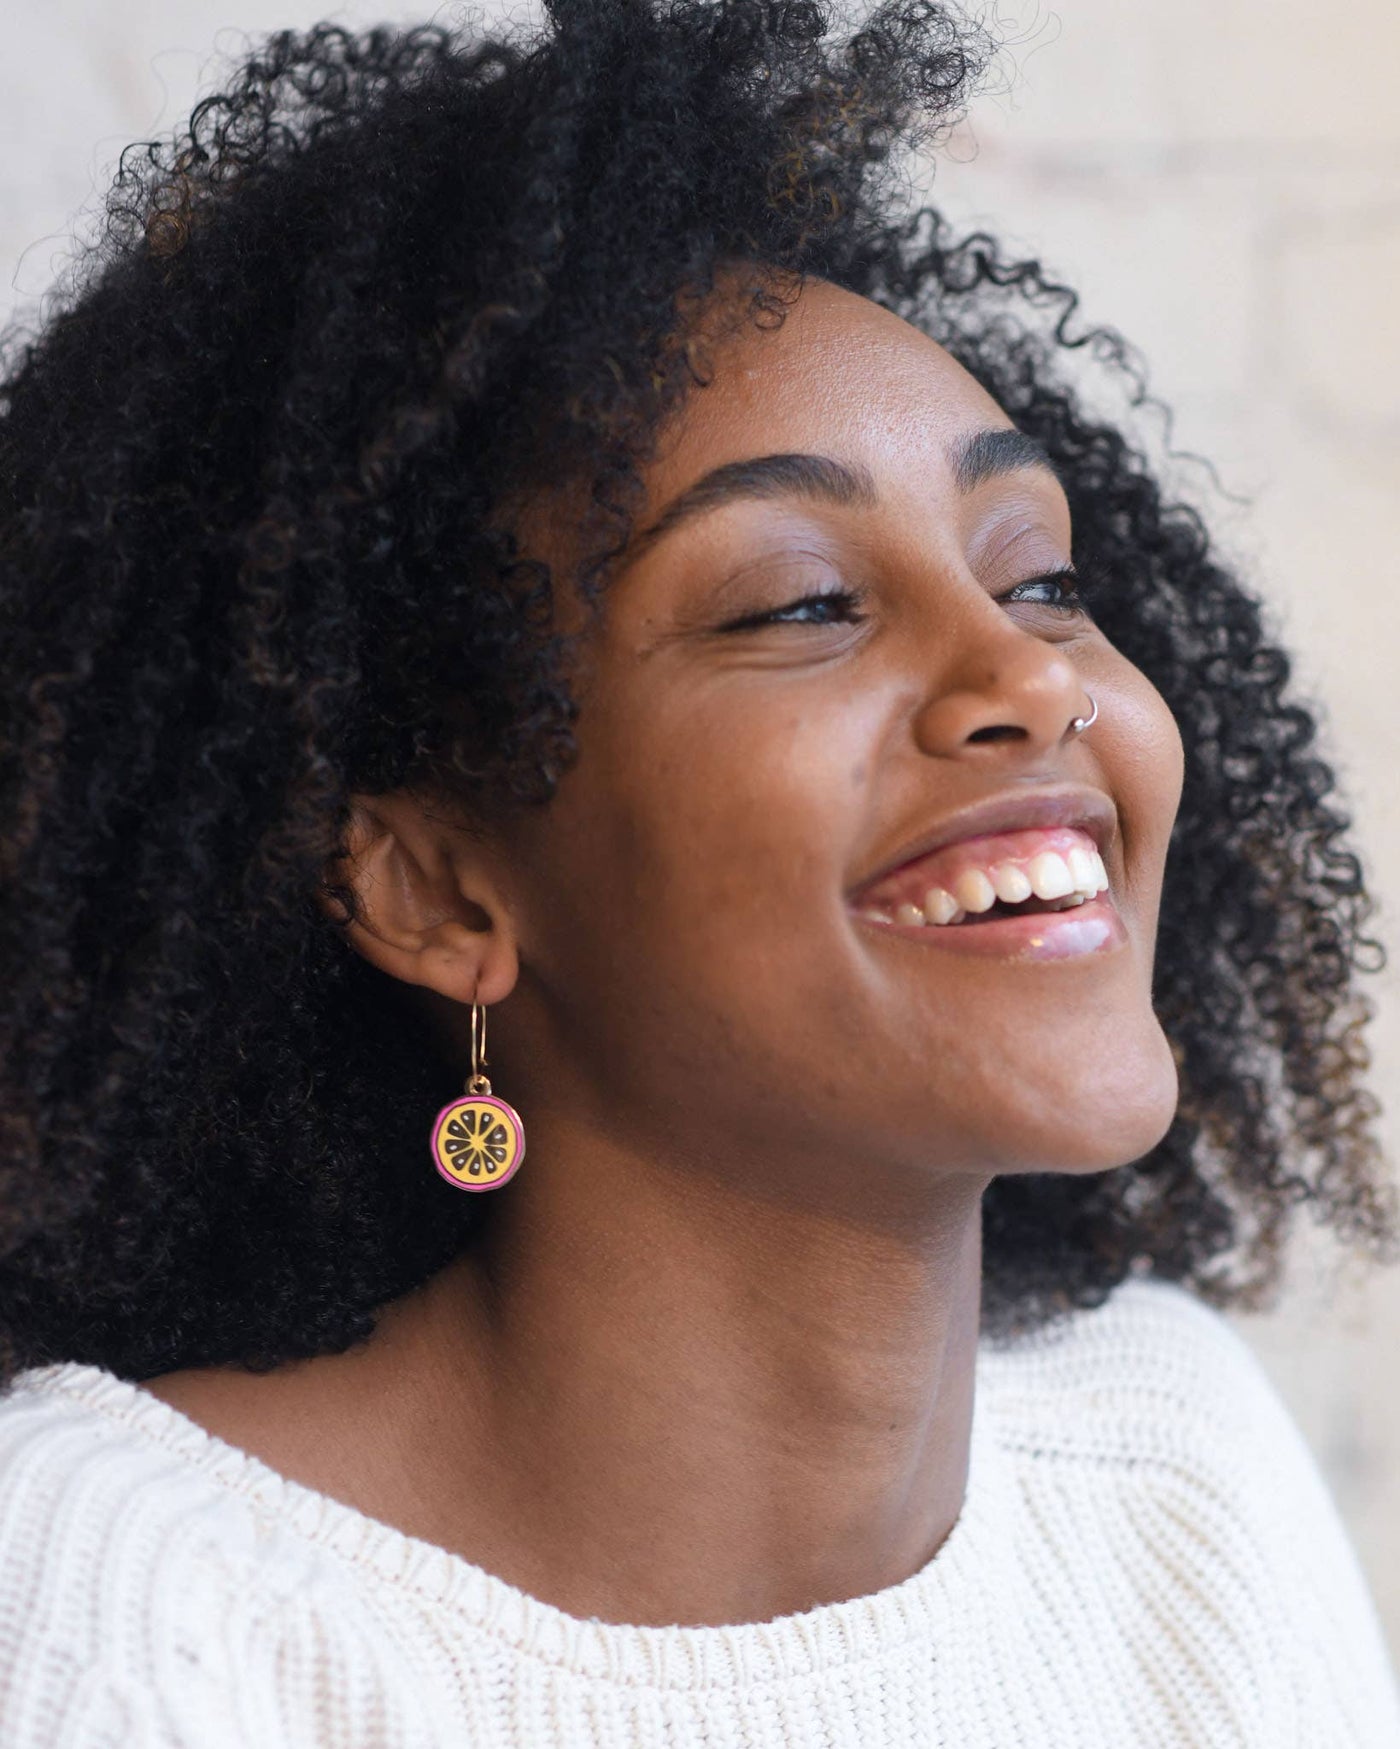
<point x="1147" y="1558"/>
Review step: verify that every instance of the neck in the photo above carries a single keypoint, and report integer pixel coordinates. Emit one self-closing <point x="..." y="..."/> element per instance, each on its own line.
<point x="652" y="1399"/>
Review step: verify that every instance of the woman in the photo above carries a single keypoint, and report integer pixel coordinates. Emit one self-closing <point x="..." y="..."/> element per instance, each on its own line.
<point x="527" y="530"/>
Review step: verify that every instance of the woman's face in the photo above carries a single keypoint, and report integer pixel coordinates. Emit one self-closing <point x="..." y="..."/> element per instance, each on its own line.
<point x="691" y="909"/>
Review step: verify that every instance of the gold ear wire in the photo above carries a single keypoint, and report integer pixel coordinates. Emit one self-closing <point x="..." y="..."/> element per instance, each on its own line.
<point x="478" y="1082"/>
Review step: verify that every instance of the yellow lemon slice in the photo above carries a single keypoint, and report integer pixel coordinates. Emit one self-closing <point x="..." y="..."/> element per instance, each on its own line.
<point x="478" y="1142"/>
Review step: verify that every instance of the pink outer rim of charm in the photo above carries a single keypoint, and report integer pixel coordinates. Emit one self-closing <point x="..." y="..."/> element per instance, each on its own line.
<point x="512" y="1118"/>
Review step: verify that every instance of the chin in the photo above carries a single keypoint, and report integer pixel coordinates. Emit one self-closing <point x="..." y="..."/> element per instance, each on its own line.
<point x="1097" y="1121"/>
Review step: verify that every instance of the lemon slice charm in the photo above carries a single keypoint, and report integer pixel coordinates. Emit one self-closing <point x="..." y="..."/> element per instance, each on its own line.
<point x="478" y="1142"/>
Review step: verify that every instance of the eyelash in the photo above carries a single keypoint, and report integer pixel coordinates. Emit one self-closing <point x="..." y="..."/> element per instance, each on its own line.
<point x="1071" y="603"/>
<point x="847" y="599"/>
<point x="850" y="600"/>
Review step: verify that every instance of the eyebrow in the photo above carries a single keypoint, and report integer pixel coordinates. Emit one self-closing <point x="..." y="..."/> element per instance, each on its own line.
<point x="768" y="476"/>
<point x="983" y="456"/>
<point x="986" y="454"/>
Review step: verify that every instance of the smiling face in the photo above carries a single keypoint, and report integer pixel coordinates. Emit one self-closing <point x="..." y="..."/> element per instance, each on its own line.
<point x="692" y="909"/>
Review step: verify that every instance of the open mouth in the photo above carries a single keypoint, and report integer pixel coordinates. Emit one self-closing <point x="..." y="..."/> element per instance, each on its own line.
<point x="1034" y="906"/>
<point x="991" y="879"/>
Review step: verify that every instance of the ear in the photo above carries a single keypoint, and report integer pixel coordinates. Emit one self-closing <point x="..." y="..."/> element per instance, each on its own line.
<point x="431" y="906"/>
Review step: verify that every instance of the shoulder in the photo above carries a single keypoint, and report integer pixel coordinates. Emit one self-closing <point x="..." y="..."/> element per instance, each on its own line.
<point x="1151" y="1422"/>
<point x="1160" y="1385"/>
<point x="113" y="1568"/>
<point x="1138" y="1377"/>
<point x="146" y="1594"/>
<point x="82" y="1454"/>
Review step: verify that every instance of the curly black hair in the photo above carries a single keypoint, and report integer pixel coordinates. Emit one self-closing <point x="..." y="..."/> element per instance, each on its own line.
<point x="255" y="555"/>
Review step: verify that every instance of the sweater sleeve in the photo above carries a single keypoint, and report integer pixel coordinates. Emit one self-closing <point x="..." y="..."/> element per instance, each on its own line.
<point x="1341" y="1666"/>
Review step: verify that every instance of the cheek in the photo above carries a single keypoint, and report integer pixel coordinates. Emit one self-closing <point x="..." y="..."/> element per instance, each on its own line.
<point x="751" y="809"/>
<point x="730" y="817"/>
<point x="1144" y="765"/>
<point x="698" y="919"/>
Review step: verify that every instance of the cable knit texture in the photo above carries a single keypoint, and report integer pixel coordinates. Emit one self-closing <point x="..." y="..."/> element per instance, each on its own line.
<point x="1147" y="1555"/>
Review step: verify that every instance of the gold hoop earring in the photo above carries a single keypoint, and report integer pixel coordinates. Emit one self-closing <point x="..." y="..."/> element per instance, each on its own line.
<point x="478" y="1140"/>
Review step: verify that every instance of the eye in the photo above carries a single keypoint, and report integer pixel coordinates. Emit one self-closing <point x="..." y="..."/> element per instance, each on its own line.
<point x="831" y="606"/>
<point x="1070" y="601"/>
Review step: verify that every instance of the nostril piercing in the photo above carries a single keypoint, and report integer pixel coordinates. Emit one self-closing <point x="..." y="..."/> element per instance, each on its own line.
<point x="1078" y="724"/>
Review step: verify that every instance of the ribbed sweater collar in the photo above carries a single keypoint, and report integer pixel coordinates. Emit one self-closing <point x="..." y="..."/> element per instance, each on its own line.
<point x="815" y="1641"/>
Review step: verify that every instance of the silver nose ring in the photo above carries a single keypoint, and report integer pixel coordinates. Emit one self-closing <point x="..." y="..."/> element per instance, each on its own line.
<point x="1079" y="724"/>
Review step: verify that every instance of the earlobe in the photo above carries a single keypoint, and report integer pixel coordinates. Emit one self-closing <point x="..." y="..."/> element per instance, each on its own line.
<point x="422" y="915"/>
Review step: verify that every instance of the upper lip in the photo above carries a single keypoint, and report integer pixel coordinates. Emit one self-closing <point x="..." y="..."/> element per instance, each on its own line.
<point x="1089" y="809"/>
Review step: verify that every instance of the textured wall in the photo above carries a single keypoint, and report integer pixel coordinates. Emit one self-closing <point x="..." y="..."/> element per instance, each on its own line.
<point x="1221" y="180"/>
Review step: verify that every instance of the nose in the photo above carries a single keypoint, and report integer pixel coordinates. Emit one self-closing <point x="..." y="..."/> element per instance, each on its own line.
<point x="1012" y="688"/>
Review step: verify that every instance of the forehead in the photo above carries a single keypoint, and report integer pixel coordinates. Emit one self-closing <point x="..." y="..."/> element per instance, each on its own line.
<point x="840" y="376"/>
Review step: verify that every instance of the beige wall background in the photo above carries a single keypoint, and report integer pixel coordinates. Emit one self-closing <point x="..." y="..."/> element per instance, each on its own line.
<point x="1221" y="181"/>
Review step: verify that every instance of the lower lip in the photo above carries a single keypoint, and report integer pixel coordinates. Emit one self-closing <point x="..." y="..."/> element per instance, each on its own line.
<point x="1093" y="927"/>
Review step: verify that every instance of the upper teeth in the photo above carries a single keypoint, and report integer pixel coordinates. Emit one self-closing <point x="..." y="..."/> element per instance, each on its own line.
<point x="1074" y="877"/>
